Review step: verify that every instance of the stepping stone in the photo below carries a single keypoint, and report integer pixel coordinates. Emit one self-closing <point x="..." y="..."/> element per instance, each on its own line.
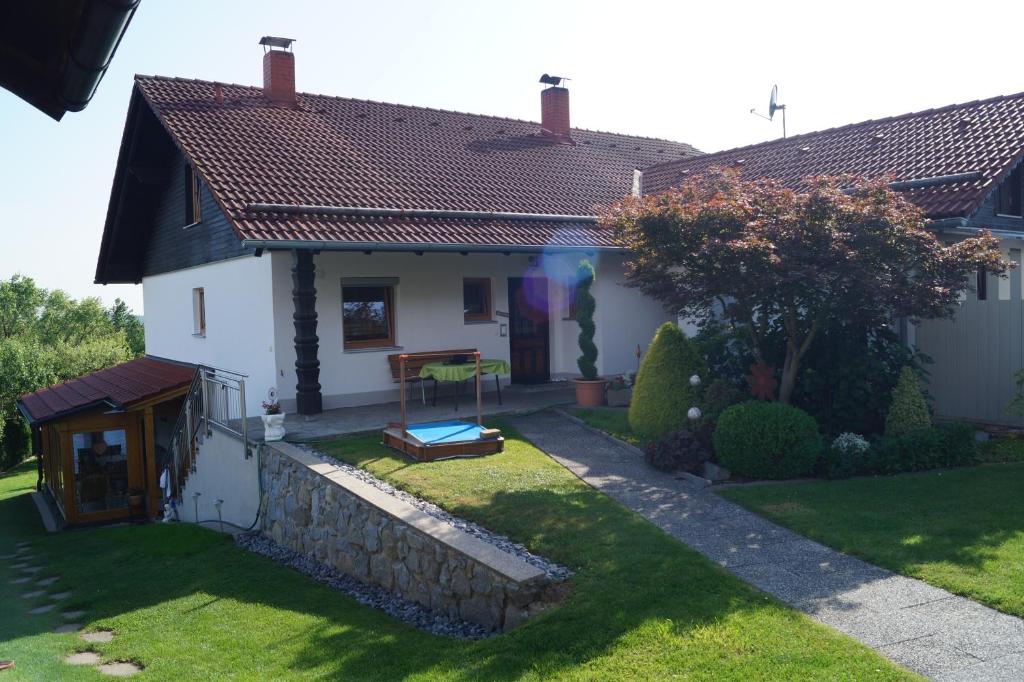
<point x="7" y="556"/>
<point x="42" y="609"/>
<point x="21" y="581"/>
<point x="32" y="569"/>
<point x="120" y="669"/>
<point x="19" y="566"/>
<point x="46" y="582"/>
<point x="98" y="637"/>
<point x="23" y="544"/>
<point x="60" y="596"/>
<point x="83" y="658"/>
<point x="67" y="627"/>
<point x="33" y="594"/>
<point x="72" y="615"/>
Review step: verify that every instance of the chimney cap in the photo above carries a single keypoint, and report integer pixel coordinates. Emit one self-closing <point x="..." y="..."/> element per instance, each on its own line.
<point x="274" y="41"/>
<point x="553" y="81"/>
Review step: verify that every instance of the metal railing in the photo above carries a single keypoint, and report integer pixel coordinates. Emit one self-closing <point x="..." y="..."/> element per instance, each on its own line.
<point x="216" y="397"/>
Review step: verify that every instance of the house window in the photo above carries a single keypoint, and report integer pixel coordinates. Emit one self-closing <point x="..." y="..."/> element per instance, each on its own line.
<point x="198" y="312"/>
<point x="982" y="285"/>
<point x="570" y="302"/>
<point x="1010" y="195"/>
<point x="476" y="299"/>
<point x="192" y="213"/>
<point x="368" y="314"/>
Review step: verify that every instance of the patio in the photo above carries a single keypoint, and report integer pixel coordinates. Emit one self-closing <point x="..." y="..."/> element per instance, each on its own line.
<point x="346" y="420"/>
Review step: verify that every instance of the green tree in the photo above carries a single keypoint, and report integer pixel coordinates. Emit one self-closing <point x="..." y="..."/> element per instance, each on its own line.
<point x="908" y="411"/>
<point x="20" y="304"/>
<point x="585" y="307"/>
<point x="662" y="394"/>
<point x="124" y="320"/>
<point x="754" y="253"/>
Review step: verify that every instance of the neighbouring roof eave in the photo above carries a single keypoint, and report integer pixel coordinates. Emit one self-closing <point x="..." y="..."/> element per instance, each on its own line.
<point x="304" y="245"/>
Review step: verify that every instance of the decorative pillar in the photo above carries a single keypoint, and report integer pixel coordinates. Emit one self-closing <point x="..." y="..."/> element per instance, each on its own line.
<point x="307" y="345"/>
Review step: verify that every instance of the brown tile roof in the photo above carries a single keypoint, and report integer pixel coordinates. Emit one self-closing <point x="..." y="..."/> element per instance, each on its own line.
<point x="120" y="385"/>
<point x="985" y="136"/>
<point x="334" y="151"/>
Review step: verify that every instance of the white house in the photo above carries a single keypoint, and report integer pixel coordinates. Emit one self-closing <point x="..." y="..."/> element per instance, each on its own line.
<point x="301" y="239"/>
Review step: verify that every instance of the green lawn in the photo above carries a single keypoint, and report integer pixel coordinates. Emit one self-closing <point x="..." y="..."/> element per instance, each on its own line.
<point x="188" y="604"/>
<point x="961" y="529"/>
<point x="613" y="421"/>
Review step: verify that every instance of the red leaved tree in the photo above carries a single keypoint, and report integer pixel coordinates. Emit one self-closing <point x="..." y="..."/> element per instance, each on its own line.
<point x="755" y="253"/>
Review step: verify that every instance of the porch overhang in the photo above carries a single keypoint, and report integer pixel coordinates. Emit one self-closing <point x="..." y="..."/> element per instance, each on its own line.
<point x="407" y="247"/>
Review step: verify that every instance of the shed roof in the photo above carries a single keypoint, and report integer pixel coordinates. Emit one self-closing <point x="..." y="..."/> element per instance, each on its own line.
<point x="985" y="136"/>
<point x="119" y="386"/>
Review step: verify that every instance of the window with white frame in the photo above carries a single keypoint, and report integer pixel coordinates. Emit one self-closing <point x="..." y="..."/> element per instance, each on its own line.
<point x="198" y="312"/>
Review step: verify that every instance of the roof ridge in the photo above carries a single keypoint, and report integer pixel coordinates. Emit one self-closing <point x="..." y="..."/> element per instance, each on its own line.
<point x="870" y="121"/>
<point x="417" y="107"/>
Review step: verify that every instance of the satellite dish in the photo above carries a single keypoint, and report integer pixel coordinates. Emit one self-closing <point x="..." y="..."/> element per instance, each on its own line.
<point x="773" y="103"/>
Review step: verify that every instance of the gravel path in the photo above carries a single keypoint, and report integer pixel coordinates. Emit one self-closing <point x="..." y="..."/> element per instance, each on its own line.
<point x="926" y="629"/>
<point x="554" y="572"/>
<point x="376" y="597"/>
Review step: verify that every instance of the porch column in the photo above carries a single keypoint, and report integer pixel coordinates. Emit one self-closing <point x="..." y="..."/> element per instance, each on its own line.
<point x="307" y="345"/>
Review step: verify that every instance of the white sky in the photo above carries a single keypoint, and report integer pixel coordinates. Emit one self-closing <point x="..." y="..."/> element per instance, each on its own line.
<point x="679" y="70"/>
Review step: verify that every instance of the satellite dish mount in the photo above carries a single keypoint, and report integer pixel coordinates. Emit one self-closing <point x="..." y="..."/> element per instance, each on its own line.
<point x="773" y="106"/>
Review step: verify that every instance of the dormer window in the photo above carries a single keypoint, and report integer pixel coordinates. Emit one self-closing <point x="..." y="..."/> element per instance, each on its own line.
<point x="1010" y="195"/>
<point x="192" y="212"/>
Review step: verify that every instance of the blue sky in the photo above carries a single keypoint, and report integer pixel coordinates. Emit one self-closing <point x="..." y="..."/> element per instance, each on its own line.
<point x="678" y="70"/>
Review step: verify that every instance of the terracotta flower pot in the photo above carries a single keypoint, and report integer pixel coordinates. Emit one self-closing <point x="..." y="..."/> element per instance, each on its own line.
<point x="590" y="392"/>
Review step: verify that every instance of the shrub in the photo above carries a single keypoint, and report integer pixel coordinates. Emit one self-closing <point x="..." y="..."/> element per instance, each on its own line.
<point x="662" y="393"/>
<point x="767" y="440"/>
<point x="930" y="448"/>
<point x="585" y="305"/>
<point x="15" y="443"/>
<point x="677" y="450"/>
<point x="719" y="395"/>
<point x="908" y="411"/>
<point x="846" y="456"/>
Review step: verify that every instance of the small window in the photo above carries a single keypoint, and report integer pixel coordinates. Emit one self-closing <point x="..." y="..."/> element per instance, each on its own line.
<point x="368" y="316"/>
<point x="570" y="302"/>
<point x="192" y="213"/>
<point x="476" y="299"/>
<point x="1010" y="195"/>
<point x="198" y="312"/>
<point x="982" y="285"/>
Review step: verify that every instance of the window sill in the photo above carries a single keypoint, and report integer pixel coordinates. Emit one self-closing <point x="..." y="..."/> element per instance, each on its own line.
<point x="375" y="349"/>
<point x="196" y="335"/>
<point x="480" y="322"/>
<point x="191" y="225"/>
<point x="1007" y="215"/>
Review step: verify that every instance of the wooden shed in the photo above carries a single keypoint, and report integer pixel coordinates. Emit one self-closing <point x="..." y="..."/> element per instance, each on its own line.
<point x="103" y="437"/>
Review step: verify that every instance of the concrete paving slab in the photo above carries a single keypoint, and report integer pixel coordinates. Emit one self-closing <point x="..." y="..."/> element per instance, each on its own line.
<point x="120" y="669"/>
<point x="922" y="627"/>
<point x="67" y="627"/>
<point x="41" y="609"/>
<point x="60" y="596"/>
<point x="72" y="615"/>
<point x="46" y="582"/>
<point x="33" y="594"/>
<point x="98" y="636"/>
<point x="83" y="658"/>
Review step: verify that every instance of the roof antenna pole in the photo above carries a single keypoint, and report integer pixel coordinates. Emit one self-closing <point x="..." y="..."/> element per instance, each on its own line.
<point x="773" y="106"/>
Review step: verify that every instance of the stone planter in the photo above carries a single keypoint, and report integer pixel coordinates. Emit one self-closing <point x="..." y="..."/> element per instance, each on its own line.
<point x="273" y="427"/>
<point x="619" y="397"/>
<point x="590" y="392"/>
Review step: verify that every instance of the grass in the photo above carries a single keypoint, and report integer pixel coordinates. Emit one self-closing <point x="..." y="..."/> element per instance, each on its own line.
<point x="613" y="421"/>
<point x="961" y="530"/>
<point x="187" y="604"/>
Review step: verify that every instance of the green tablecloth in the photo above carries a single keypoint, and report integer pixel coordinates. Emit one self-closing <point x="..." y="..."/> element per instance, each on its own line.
<point x="443" y="372"/>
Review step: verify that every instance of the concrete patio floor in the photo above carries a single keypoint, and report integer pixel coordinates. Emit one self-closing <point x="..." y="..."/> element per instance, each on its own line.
<point x="516" y="399"/>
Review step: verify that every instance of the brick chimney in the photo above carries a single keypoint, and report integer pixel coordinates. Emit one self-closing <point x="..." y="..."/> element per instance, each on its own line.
<point x="554" y="112"/>
<point x="278" y="70"/>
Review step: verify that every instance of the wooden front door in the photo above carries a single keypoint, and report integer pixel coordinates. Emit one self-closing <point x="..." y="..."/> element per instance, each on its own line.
<point x="528" y="329"/>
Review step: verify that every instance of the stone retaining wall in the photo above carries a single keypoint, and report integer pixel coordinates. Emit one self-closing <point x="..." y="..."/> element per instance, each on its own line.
<point x="319" y="510"/>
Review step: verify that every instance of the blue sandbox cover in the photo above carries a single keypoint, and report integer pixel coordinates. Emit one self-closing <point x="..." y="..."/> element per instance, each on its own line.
<point x="432" y="433"/>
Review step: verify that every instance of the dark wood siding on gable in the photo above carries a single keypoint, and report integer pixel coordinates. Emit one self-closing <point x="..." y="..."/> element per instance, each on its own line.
<point x="171" y="247"/>
<point x="988" y="216"/>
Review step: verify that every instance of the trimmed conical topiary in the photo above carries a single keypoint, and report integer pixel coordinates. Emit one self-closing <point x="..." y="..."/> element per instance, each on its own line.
<point x="908" y="411"/>
<point x="585" y="307"/>
<point x="662" y="394"/>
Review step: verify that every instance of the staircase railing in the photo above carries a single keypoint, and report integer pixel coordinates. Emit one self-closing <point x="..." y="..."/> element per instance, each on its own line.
<point x="216" y="397"/>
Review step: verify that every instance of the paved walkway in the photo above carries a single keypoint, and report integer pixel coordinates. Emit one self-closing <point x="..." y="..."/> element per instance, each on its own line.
<point x="926" y="629"/>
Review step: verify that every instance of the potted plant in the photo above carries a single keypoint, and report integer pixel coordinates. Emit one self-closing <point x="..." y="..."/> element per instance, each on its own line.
<point x="589" y="387"/>
<point x="620" y="390"/>
<point x="273" y="421"/>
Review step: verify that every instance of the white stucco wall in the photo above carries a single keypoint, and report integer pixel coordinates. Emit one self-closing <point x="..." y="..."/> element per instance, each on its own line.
<point x="429" y="316"/>
<point x="222" y="473"/>
<point x="239" y="320"/>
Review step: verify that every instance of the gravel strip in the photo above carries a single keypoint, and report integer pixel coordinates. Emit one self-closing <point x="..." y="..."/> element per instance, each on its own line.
<point x="406" y="611"/>
<point x="554" y="572"/>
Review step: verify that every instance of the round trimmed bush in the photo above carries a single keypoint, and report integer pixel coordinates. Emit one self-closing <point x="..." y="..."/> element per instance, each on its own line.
<point x="908" y="412"/>
<point x="662" y="393"/>
<point x="767" y="440"/>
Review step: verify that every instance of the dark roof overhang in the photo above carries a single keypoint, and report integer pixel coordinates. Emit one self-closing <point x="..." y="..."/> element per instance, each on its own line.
<point x="53" y="53"/>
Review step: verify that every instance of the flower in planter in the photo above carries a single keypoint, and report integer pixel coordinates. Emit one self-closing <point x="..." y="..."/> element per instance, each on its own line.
<point x="272" y="408"/>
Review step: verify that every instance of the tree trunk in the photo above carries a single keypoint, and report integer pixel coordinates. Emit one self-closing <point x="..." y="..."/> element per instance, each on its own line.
<point x="790" y="369"/>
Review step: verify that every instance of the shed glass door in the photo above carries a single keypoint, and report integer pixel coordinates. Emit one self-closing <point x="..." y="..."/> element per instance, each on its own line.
<point x="101" y="470"/>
